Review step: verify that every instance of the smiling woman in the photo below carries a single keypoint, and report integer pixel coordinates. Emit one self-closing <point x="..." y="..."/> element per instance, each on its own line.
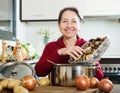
<point x="67" y="46"/>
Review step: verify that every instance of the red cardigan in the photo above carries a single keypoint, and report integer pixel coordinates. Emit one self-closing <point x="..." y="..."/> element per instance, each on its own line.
<point x="43" y="67"/>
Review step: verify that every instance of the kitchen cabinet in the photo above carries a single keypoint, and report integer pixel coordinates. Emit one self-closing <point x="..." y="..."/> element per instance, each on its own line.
<point x="40" y="10"/>
<point x="73" y="3"/>
<point x="44" y="10"/>
<point x="5" y="9"/>
<point x="101" y="7"/>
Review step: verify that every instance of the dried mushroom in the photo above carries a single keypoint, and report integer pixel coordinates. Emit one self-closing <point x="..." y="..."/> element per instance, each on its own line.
<point x="90" y="47"/>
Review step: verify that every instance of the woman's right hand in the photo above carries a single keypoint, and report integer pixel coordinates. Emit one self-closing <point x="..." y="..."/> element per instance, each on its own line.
<point x="73" y="51"/>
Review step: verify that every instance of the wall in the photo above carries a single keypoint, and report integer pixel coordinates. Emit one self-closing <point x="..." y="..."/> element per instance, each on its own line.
<point x="28" y="32"/>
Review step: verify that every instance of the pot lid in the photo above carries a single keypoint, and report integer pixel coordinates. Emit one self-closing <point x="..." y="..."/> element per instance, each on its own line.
<point x="16" y="70"/>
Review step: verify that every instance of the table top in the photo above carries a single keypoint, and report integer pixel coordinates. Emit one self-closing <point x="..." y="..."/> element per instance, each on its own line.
<point x="61" y="89"/>
<point x="26" y="61"/>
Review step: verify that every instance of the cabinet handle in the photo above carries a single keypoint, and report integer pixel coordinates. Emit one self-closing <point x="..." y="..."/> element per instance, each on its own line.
<point x="39" y="15"/>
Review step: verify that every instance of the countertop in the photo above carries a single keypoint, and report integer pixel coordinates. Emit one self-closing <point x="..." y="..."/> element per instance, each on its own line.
<point x="60" y="89"/>
<point x="26" y="61"/>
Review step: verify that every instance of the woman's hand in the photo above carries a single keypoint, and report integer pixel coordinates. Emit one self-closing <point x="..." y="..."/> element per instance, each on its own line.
<point x="73" y="51"/>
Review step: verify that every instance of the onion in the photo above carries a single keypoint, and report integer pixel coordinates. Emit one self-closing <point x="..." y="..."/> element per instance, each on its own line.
<point x="105" y="85"/>
<point x="29" y="82"/>
<point x="82" y="82"/>
<point x="94" y="82"/>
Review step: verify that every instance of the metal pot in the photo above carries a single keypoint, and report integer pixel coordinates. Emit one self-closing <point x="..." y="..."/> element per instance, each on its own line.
<point x="65" y="74"/>
<point x="16" y="70"/>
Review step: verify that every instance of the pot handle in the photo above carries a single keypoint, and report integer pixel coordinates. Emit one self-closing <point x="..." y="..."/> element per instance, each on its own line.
<point x="94" y="67"/>
<point x="51" y="62"/>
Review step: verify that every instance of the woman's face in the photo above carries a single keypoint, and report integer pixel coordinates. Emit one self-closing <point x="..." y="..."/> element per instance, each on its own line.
<point x="69" y="24"/>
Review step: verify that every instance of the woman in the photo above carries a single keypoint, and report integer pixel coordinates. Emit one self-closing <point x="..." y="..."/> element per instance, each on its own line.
<point x="68" y="45"/>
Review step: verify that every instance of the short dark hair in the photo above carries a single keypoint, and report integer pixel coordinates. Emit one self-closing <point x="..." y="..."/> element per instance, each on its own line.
<point x="74" y="9"/>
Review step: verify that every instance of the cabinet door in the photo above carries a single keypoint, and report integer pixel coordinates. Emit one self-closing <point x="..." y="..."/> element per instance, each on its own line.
<point x="5" y="9"/>
<point x="39" y="10"/>
<point x="72" y="3"/>
<point x="101" y="7"/>
<point x="44" y="10"/>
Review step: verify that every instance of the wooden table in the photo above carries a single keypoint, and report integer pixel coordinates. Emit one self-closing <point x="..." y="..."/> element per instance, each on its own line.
<point x="59" y="89"/>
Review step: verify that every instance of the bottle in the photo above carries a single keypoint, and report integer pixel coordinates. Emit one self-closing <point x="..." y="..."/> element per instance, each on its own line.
<point x="18" y="54"/>
<point x="4" y="51"/>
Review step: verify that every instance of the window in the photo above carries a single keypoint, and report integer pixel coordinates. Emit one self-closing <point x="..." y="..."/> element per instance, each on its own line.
<point x="7" y="19"/>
